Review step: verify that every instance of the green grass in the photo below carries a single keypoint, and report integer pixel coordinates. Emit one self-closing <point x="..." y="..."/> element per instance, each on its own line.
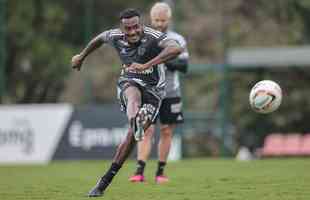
<point x="205" y="179"/>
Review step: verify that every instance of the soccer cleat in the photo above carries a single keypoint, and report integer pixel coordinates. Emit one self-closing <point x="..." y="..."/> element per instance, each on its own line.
<point x="137" y="178"/>
<point x="141" y="119"/>
<point x="99" y="188"/>
<point x="161" y="179"/>
<point x="95" y="192"/>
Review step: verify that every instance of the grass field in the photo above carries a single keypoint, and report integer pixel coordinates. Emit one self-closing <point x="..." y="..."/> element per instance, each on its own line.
<point x="205" y="179"/>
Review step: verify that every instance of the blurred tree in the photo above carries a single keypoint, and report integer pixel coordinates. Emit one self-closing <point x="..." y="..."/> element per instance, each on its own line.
<point x="302" y="8"/>
<point x="37" y="54"/>
<point x="42" y="37"/>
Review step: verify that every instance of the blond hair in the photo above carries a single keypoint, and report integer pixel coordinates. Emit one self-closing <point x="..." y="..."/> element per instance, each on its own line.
<point x="161" y="6"/>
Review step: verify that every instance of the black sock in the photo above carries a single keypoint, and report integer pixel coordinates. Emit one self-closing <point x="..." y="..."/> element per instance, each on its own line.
<point x="160" y="168"/>
<point x="140" y="167"/>
<point x="109" y="175"/>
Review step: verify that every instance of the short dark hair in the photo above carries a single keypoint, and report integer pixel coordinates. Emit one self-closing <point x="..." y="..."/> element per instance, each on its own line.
<point x="129" y="13"/>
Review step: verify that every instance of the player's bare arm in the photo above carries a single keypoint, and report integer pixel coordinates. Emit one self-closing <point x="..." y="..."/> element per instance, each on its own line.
<point x="171" y="49"/>
<point x="179" y="64"/>
<point x="94" y="44"/>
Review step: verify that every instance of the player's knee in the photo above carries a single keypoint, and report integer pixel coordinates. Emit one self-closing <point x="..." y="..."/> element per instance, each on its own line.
<point x="133" y="95"/>
<point x="133" y="108"/>
<point x="166" y="131"/>
<point x="134" y="104"/>
<point x="133" y="101"/>
<point x="149" y="133"/>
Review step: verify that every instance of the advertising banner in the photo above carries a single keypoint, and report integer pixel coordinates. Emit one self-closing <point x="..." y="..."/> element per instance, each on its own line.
<point x="93" y="132"/>
<point x="30" y="133"/>
<point x="36" y="134"/>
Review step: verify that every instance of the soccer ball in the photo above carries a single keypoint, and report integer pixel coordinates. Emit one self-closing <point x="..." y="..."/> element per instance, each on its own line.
<point x="265" y="96"/>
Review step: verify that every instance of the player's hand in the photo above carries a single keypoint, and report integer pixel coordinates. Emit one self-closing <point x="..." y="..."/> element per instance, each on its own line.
<point x="76" y="62"/>
<point x="136" y="67"/>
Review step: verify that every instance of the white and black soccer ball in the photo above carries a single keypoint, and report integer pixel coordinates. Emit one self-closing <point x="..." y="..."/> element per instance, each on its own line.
<point x="265" y="96"/>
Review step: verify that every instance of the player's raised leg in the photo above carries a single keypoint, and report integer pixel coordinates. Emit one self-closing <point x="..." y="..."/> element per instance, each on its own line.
<point x="133" y="96"/>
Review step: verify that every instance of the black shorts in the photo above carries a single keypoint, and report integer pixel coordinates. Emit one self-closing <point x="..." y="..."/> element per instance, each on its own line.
<point x="170" y="111"/>
<point x="151" y="97"/>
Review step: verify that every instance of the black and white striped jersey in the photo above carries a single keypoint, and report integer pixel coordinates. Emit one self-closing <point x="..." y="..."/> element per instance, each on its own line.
<point x="141" y="52"/>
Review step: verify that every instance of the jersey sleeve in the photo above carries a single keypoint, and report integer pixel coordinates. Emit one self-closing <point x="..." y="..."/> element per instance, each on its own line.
<point x="183" y="44"/>
<point x="180" y="63"/>
<point x="161" y="38"/>
<point x="110" y="35"/>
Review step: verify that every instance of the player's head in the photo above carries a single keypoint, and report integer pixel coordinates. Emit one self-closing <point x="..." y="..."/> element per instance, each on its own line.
<point x="131" y="25"/>
<point x="160" y="16"/>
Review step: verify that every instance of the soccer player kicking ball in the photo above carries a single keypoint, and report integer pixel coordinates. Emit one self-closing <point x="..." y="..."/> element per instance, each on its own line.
<point x="170" y="112"/>
<point x="142" y="51"/>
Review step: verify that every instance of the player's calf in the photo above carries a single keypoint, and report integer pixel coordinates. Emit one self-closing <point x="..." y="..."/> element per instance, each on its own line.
<point x="104" y="181"/>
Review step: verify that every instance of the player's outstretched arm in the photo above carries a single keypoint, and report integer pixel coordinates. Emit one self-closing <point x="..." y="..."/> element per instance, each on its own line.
<point x="179" y="64"/>
<point x="77" y="60"/>
<point x="171" y="49"/>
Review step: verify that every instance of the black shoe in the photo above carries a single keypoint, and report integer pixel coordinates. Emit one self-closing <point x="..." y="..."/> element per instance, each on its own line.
<point x="95" y="192"/>
<point x="98" y="190"/>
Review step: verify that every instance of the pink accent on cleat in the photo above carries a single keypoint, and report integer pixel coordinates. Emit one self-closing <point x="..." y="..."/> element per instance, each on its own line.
<point x="161" y="179"/>
<point x="137" y="178"/>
